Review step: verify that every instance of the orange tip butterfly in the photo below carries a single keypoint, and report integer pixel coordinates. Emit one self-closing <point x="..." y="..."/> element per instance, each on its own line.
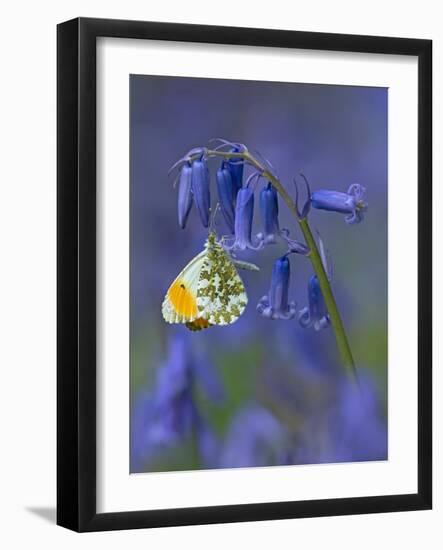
<point x="208" y="291"/>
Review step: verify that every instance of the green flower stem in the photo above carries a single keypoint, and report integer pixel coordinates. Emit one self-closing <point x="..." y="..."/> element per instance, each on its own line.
<point x="337" y="323"/>
<point x="314" y="256"/>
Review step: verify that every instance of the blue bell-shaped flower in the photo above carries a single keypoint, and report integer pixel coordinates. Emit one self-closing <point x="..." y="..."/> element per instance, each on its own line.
<point x="275" y="304"/>
<point x="200" y="189"/>
<point x="315" y="314"/>
<point x="244" y="212"/>
<point x="227" y="193"/>
<point x="269" y="214"/>
<point x="184" y="194"/>
<point x="350" y="203"/>
<point x="235" y="167"/>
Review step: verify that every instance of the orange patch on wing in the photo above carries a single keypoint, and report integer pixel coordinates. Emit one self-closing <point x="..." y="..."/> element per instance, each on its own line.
<point x="198" y="324"/>
<point x="182" y="300"/>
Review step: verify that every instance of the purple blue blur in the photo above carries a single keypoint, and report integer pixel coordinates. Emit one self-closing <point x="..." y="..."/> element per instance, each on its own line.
<point x="167" y="416"/>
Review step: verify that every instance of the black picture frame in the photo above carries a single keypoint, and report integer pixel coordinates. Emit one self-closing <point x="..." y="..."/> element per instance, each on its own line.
<point x="76" y="280"/>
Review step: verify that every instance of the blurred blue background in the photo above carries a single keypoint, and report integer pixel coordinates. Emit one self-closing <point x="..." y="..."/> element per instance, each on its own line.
<point x="258" y="392"/>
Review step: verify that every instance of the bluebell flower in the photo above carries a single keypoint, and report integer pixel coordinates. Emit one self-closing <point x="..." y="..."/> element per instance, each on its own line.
<point x="275" y="304"/>
<point x="269" y="214"/>
<point x="315" y="314"/>
<point x="227" y="192"/>
<point x="184" y="194"/>
<point x="350" y="203"/>
<point x="244" y="212"/>
<point x="187" y="158"/>
<point x="255" y="438"/>
<point x="168" y="414"/>
<point x="200" y="189"/>
<point x="236" y="166"/>
<point x="269" y="209"/>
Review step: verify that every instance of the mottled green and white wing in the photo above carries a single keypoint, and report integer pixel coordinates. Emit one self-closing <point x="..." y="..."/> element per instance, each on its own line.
<point x="221" y="295"/>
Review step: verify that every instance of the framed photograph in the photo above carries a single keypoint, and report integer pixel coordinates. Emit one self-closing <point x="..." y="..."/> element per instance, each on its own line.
<point x="244" y="274"/>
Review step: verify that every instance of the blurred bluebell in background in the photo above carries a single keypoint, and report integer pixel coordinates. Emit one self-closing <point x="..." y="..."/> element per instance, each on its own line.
<point x="259" y="392"/>
<point x="167" y="415"/>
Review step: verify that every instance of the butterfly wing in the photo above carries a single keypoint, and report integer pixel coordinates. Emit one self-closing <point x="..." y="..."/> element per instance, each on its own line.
<point x="180" y="303"/>
<point x="221" y="295"/>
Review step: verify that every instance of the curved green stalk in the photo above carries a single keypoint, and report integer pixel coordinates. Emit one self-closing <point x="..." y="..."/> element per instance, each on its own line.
<point x="314" y="256"/>
<point x="336" y="322"/>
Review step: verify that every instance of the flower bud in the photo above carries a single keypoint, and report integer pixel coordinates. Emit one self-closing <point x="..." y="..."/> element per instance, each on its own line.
<point x="226" y="195"/>
<point x="200" y="189"/>
<point x="184" y="194"/>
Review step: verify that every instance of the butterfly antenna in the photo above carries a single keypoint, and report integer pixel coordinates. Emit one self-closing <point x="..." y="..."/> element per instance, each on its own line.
<point x="212" y="221"/>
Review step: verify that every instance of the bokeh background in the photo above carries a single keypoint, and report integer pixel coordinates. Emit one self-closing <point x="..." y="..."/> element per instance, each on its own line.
<point x="259" y="392"/>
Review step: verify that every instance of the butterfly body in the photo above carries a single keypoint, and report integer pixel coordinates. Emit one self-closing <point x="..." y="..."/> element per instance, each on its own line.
<point x="208" y="291"/>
